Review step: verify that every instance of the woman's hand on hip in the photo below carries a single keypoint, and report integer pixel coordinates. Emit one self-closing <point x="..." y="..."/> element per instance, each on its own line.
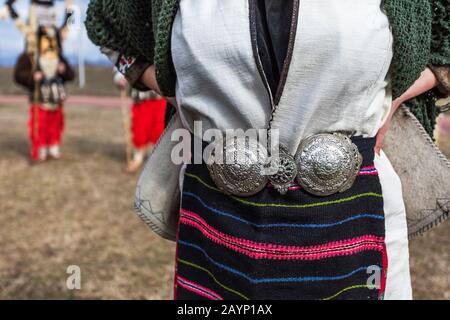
<point x="148" y="78"/>
<point x="387" y="125"/>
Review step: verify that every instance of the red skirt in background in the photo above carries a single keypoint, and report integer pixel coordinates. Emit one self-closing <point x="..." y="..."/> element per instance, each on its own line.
<point x="46" y="130"/>
<point x="147" y="122"/>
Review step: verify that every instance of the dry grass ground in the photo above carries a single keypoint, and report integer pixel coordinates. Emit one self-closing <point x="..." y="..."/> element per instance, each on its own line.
<point x="79" y="212"/>
<point x="75" y="212"/>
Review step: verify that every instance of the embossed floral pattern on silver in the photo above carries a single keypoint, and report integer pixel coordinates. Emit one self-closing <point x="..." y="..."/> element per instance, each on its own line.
<point x="241" y="172"/>
<point x="327" y="164"/>
<point x="285" y="171"/>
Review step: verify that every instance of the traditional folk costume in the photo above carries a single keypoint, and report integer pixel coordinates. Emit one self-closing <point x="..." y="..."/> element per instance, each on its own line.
<point x="147" y="121"/>
<point x="43" y="54"/>
<point x="46" y="122"/>
<point x="324" y="74"/>
<point x="147" y="118"/>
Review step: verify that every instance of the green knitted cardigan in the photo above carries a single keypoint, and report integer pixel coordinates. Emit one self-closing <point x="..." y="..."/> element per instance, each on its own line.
<point x="142" y="29"/>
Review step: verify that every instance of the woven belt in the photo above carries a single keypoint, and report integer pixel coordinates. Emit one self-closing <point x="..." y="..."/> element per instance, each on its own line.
<point x="324" y="164"/>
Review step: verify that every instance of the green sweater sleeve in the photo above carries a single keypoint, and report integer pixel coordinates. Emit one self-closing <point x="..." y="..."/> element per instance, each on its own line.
<point x="423" y="106"/>
<point x="440" y="41"/>
<point x="122" y="26"/>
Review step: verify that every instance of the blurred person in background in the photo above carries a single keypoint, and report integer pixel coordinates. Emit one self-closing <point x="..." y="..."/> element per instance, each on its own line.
<point x="147" y="121"/>
<point x="44" y="74"/>
<point x="43" y="71"/>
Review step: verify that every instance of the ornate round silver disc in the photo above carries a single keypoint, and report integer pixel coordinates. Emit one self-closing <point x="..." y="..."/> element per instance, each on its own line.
<point x="327" y="164"/>
<point x="241" y="171"/>
<point x="286" y="171"/>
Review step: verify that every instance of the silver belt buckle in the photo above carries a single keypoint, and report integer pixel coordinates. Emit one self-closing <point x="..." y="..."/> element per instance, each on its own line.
<point x="240" y="169"/>
<point x="327" y="164"/>
<point x="324" y="164"/>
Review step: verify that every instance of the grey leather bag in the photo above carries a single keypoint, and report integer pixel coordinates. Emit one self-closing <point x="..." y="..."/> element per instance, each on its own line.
<point x="423" y="170"/>
<point x="157" y="200"/>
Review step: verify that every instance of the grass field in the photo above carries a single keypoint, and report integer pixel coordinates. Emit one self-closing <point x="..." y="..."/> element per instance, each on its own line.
<point x="75" y="212"/>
